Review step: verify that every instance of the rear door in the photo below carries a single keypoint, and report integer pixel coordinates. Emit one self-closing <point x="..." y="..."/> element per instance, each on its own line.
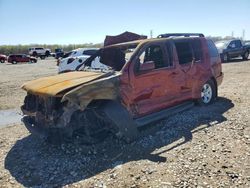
<point x="156" y="89"/>
<point x="192" y="63"/>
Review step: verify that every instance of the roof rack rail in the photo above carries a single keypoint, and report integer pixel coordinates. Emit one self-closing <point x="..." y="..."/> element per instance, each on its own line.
<point x="180" y="35"/>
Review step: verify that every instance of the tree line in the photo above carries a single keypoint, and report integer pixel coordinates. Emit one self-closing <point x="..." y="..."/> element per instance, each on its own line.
<point x="23" y="49"/>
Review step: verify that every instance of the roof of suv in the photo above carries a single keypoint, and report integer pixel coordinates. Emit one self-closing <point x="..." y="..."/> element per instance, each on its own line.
<point x="136" y="42"/>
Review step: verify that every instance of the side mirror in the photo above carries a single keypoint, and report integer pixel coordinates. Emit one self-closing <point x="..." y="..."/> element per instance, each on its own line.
<point x="148" y="65"/>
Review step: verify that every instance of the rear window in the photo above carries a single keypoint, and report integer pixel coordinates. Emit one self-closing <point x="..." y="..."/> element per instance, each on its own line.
<point x="89" y="52"/>
<point x="213" y="52"/>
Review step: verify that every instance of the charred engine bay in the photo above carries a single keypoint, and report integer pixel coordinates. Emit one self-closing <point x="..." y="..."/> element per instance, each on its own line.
<point x="59" y="122"/>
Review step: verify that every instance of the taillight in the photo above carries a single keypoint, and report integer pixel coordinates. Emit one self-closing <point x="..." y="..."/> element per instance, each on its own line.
<point x="70" y="60"/>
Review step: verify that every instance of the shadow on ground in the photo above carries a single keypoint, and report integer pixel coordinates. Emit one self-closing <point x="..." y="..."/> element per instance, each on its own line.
<point x="33" y="162"/>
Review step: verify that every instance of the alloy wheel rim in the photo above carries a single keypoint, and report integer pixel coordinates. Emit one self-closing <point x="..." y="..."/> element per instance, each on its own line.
<point x="206" y="93"/>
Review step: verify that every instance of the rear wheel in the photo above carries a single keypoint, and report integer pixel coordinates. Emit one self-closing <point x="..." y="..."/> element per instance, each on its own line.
<point x="245" y="55"/>
<point x="34" y="54"/>
<point x="208" y="93"/>
<point x="14" y="62"/>
<point x="2" y="61"/>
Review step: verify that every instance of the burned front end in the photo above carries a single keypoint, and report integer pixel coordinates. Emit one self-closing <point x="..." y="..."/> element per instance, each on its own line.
<point x="41" y="114"/>
<point x="88" y="111"/>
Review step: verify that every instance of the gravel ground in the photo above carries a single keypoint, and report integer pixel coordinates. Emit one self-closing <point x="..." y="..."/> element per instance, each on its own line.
<point x="201" y="147"/>
<point x="13" y="76"/>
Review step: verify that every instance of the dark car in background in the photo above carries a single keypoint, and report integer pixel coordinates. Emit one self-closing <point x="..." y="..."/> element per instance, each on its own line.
<point x="21" y="58"/>
<point x="232" y="49"/>
<point x="3" y="58"/>
<point x="59" y="53"/>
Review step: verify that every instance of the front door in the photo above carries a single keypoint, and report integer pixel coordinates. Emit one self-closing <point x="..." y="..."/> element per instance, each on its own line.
<point x="155" y="82"/>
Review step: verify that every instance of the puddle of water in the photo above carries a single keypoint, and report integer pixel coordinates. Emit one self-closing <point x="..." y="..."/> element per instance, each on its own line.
<point x="10" y="116"/>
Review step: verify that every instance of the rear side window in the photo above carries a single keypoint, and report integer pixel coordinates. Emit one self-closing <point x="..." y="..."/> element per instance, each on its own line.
<point x="238" y="43"/>
<point x="197" y="49"/>
<point x="213" y="52"/>
<point x="184" y="52"/>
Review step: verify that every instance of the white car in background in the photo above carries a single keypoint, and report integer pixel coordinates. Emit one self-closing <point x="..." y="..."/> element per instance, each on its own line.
<point x="76" y="57"/>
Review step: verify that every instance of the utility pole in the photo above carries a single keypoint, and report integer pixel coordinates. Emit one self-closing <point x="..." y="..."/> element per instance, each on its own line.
<point x="151" y="33"/>
<point x="243" y="34"/>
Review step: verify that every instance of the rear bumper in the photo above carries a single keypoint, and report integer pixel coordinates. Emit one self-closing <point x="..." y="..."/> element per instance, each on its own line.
<point x="219" y="79"/>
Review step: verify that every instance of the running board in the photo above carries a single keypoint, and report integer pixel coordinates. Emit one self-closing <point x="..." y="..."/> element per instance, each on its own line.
<point x="163" y="114"/>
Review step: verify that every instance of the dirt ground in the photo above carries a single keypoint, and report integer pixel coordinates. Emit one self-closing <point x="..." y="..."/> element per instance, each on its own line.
<point x="13" y="76"/>
<point x="201" y="147"/>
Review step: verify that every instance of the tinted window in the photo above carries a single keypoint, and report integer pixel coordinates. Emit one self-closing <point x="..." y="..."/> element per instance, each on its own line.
<point x="184" y="52"/>
<point x="39" y="48"/>
<point x="169" y="54"/>
<point x="232" y="44"/>
<point x="153" y="53"/>
<point x="213" y="52"/>
<point x="197" y="49"/>
<point x="89" y="52"/>
<point x="238" y="43"/>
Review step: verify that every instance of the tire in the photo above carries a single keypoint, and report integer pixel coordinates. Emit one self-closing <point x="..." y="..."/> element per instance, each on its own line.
<point x="14" y="62"/>
<point x="34" y="54"/>
<point x="225" y="58"/>
<point x="245" y="55"/>
<point x="208" y="93"/>
<point x="47" y="53"/>
<point x="42" y="57"/>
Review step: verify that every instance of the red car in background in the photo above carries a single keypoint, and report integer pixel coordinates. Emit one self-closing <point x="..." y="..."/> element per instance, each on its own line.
<point x="14" y="59"/>
<point x="3" y="58"/>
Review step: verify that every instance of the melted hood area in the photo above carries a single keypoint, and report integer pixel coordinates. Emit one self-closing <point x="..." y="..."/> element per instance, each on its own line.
<point x="53" y="85"/>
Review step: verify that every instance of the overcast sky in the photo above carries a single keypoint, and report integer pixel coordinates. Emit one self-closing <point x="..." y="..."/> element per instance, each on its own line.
<point x="78" y="21"/>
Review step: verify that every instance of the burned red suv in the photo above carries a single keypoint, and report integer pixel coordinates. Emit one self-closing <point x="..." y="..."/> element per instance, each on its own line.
<point x="147" y="80"/>
<point x="21" y="58"/>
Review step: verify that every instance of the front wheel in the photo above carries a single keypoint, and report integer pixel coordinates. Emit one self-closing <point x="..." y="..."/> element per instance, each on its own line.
<point x="2" y="61"/>
<point x="14" y="62"/>
<point x="245" y="55"/>
<point x="208" y="93"/>
<point x="225" y="58"/>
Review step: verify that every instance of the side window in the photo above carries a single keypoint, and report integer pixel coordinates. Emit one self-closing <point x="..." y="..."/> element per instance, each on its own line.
<point x="232" y="44"/>
<point x="153" y="53"/>
<point x="213" y="52"/>
<point x="169" y="54"/>
<point x="184" y="52"/>
<point x="197" y="49"/>
<point x="238" y="43"/>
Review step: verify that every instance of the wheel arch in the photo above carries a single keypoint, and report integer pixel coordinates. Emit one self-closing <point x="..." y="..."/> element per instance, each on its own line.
<point x="216" y="86"/>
